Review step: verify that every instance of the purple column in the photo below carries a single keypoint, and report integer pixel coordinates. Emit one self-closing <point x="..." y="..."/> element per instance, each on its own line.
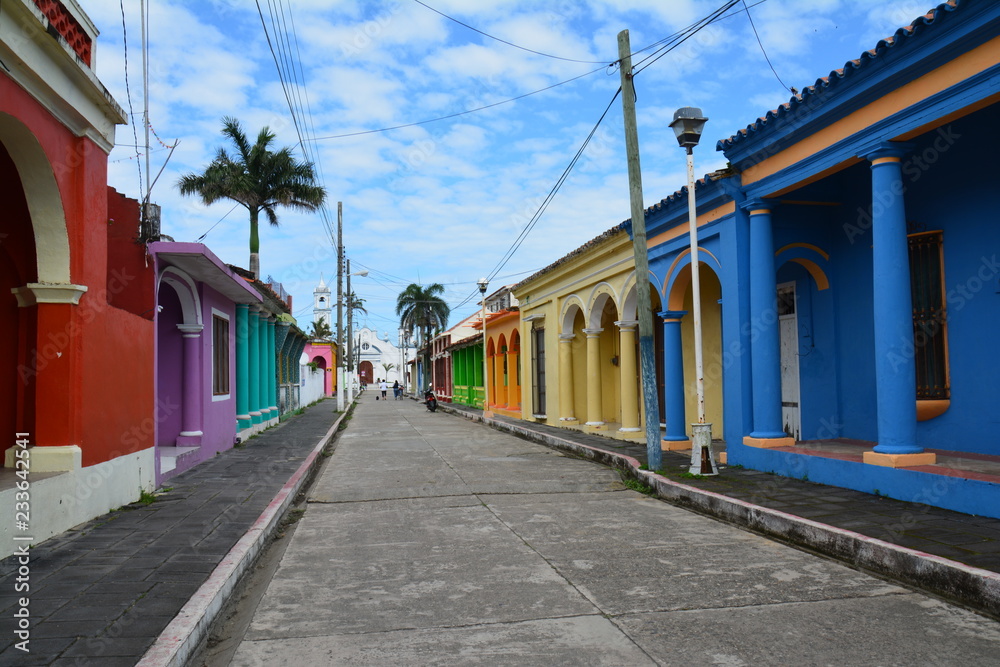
<point x="191" y="401"/>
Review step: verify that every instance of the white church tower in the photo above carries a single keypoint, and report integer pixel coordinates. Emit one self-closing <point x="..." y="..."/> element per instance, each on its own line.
<point x="322" y="304"/>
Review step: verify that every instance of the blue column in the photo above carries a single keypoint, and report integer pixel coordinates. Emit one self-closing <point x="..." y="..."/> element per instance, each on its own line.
<point x="895" y="370"/>
<point x="253" y="351"/>
<point x="673" y="377"/>
<point x="765" y="347"/>
<point x="272" y="374"/>
<point x="243" y="419"/>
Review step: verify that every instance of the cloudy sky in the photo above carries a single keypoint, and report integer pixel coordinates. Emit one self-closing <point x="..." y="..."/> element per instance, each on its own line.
<point x="444" y="201"/>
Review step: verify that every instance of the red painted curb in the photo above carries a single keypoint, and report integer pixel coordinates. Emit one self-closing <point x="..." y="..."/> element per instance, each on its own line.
<point x="181" y="637"/>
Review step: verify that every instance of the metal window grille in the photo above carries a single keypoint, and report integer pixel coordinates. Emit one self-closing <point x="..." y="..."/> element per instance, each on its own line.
<point x="930" y="318"/>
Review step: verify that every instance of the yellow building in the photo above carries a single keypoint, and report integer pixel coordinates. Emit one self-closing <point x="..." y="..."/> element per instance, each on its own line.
<point x="579" y="343"/>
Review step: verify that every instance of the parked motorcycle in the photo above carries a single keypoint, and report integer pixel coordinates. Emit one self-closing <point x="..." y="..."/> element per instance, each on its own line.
<point x="430" y="400"/>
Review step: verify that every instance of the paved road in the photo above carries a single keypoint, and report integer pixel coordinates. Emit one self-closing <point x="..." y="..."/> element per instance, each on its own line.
<point x="429" y="539"/>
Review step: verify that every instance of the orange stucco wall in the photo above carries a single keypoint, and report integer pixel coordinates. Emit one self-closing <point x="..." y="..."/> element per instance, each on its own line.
<point x="92" y="363"/>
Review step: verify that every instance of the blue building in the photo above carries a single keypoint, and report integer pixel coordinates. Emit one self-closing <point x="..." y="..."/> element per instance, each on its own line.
<point x="850" y="261"/>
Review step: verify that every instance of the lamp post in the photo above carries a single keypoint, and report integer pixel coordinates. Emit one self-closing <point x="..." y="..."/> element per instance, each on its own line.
<point x="350" y="319"/>
<point x="687" y="125"/>
<point x="483" y="283"/>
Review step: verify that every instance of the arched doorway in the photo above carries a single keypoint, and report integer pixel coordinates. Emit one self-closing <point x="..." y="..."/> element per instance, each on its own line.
<point x="679" y="354"/>
<point x="366" y="372"/>
<point x="17" y="325"/>
<point x="327" y="380"/>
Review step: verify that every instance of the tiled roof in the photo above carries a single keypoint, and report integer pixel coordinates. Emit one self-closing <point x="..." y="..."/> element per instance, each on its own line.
<point x="824" y="83"/>
<point x="681" y="195"/>
<point x="614" y="231"/>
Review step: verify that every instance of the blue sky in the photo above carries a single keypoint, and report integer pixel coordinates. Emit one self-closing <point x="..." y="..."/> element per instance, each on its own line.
<point x="443" y="201"/>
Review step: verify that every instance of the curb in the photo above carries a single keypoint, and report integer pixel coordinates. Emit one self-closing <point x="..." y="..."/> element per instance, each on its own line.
<point x="181" y="638"/>
<point x="973" y="587"/>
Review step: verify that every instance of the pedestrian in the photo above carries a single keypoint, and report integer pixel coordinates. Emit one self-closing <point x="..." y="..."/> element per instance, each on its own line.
<point x="383" y="387"/>
<point x="397" y="392"/>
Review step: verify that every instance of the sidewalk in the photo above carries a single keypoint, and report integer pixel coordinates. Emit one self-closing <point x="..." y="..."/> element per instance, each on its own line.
<point x="103" y="592"/>
<point x="948" y="553"/>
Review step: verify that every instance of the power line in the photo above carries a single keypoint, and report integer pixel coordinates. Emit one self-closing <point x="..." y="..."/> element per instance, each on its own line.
<point x="202" y="237"/>
<point x="676" y="41"/>
<point x="459" y="113"/>
<point x="128" y="91"/>
<point x="545" y="203"/>
<point x="503" y="41"/>
<point x="282" y="64"/>
<point x="682" y="36"/>
<point x="762" y="50"/>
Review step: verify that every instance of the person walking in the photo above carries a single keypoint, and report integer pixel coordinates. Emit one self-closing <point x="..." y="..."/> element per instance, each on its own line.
<point x="397" y="392"/>
<point x="383" y="387"/>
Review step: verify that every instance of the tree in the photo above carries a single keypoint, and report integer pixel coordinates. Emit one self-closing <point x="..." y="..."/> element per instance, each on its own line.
<point x="422" y="309"/>
<point x="356" y="304"/>
<point x="256" y="178"/>
<point x="320" y="329"/>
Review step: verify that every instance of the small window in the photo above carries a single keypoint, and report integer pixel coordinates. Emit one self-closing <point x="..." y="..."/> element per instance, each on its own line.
<point x="786" y="300"/>
<point x="930" y="318"/>
<point x="220" y="356"/>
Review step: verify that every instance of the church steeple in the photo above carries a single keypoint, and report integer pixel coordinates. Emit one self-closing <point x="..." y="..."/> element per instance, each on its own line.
<point x="322" y="305"/>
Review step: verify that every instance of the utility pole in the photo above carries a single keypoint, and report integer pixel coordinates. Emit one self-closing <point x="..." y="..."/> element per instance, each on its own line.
<point x="647" y="357"/>
<point x="340" y="307"/>
<point x="350" y="337"/>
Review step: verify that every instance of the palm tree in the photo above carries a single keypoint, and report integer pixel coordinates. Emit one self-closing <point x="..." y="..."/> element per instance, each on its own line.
<point x="320" y="329"/>
<point x="422" y="309"/>
<point x="256" y="178"/>
<point x="355" y="303"/>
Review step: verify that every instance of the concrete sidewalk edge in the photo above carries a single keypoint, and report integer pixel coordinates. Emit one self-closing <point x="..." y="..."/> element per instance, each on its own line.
<point x="181" y="638"/>
<point x="973" y="587"/>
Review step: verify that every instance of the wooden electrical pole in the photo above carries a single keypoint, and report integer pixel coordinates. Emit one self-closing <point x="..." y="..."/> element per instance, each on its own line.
<point x="647" y="356"/>
<point x="340" y="307"/>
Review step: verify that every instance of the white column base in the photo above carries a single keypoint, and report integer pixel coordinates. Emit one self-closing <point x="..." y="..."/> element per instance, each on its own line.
<point x="48" y="459"/>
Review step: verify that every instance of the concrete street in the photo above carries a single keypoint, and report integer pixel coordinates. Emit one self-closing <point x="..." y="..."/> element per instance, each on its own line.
<point x="430" y="539"/>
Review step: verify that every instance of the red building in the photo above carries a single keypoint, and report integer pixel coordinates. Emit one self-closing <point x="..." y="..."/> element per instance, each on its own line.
<point x="76" y="294"/>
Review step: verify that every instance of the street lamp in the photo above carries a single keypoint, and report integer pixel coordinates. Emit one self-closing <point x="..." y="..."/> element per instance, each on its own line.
<point x="350" y="319"/>
<point x="687" y="125"/>
<point x="483" y="283"/>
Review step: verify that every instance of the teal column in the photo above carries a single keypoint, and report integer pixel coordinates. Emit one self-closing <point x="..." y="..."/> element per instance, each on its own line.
<point x="272" y="375"/>
<point x="253" y="366"/>
<point x="243" y="419"/>
<point x="262" y="368"/>
<point x="895" y="366"/>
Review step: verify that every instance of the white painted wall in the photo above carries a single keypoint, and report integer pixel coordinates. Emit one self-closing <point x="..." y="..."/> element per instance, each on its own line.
<point x="311" y="385"/>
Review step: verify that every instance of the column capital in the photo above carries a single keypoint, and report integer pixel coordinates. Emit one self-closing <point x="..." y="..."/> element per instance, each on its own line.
<point x="672" y="315"/>
<point x="191" y="330"/>
<point x="35" y="293"/>
<point x="566" y="338"/>
<point x="593" y="333"/>
<point x="758" y="205"/>
<point x="884" y="151"/>
<point x="243" y="306"/>
<point x="628" y="325"/>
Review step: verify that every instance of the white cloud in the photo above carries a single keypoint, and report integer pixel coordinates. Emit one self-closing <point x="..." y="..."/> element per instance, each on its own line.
<point x="443" y="201"/>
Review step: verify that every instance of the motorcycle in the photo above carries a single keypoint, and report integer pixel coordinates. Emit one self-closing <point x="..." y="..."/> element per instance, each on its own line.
<point x="430" y="401"/>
